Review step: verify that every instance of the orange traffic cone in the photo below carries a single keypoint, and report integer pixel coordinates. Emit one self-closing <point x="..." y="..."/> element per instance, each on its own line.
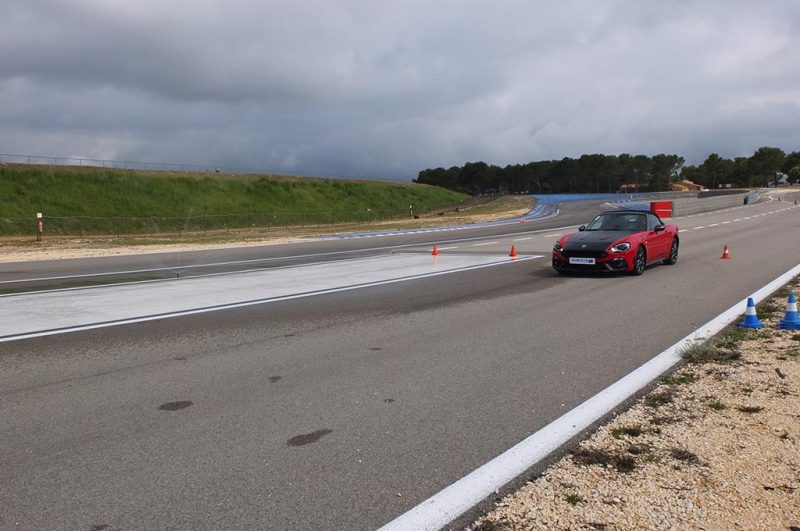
<point x="725" y="254"/>
<point x="435" y="250"/>
<point x="513" y="252"/>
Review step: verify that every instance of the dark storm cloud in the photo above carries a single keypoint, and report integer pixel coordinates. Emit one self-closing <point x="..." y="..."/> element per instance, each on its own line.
<point x="384" y="89"/>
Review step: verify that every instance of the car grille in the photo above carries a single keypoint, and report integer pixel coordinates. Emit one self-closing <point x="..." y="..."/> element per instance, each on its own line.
<point x="584" y="254"/>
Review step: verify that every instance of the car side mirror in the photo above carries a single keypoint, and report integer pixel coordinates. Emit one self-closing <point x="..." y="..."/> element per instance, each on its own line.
<point x="659" y="228"/>
<point x="582" y="228"/>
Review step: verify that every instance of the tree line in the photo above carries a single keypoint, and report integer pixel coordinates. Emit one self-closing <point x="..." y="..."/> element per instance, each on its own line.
<point x="599" y="173"/>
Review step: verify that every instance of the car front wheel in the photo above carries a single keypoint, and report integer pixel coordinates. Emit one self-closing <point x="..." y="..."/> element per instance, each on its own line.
<point x="673" y="253"/>
<point x="639" y="262"/>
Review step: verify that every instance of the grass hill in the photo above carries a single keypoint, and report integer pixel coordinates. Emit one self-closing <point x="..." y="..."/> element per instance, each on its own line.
<point x="98" y="200"/>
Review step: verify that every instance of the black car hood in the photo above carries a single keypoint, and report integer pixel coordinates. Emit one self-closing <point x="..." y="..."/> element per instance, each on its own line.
<point x="594" y="240"/>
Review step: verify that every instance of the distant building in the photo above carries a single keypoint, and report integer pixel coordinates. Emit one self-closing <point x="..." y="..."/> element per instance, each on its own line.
<point x="685" y="186"/>
<point x="628" y="188"/>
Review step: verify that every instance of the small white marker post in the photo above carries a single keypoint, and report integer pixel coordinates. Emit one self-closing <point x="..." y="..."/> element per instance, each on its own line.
<point x="39" y="228"/>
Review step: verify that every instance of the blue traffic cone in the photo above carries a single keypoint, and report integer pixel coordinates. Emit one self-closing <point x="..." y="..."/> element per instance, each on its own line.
<point x="750" y="317"/>
<point x="791" y="321"/>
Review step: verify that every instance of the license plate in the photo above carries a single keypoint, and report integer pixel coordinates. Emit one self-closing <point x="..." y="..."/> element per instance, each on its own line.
<point x="581" y="261"/>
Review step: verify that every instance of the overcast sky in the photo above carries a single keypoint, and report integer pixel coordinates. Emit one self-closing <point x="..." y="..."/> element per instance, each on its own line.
<point x="385" y="88"/>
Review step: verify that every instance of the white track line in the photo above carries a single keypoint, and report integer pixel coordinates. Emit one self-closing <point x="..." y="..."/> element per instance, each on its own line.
<point x="242" y="304"/>
<point x="453" y="501"/>
<point x="260" y="260"/>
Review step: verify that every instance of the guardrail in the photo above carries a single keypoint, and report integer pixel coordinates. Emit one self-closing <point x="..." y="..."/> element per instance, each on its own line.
<point x="685" y="207"/>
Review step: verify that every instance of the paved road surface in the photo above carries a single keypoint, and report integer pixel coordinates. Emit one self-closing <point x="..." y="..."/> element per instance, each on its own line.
<point x="64" y="273"/>
<point x="345" y="410"/>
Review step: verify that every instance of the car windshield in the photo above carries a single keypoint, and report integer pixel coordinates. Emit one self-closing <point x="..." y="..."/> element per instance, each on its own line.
<point x="619" y="222"/>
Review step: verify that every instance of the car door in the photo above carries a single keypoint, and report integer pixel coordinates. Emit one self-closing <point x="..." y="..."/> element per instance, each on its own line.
<point x="658" y="243"/>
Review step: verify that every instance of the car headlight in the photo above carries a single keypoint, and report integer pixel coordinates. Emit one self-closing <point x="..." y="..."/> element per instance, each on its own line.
<point x="621" y="247"/>
<point x="557" y="247"/>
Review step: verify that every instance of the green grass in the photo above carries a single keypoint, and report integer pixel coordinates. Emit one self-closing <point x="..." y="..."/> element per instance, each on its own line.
<point x="680" y="378"/>
<point x="629" y="431"/>
<point x="106" y="201"/>
<point x="749" y="409"/>
<point x="664" y="420"/>
<point x="717" y="405"/>
<point x="574" y="499"/>
<point x="732" y="338"/>
<point x="707" y="352"/>
<point x="588" y="457"/>
<point x="771" y="308"/>
<point x="658" y="399"/>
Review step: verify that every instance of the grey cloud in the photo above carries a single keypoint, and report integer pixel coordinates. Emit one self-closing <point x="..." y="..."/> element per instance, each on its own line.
<point x="385" y="89"/>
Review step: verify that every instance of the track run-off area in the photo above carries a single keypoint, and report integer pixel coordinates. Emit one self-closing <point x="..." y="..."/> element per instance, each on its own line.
<point x="332" y="384"/>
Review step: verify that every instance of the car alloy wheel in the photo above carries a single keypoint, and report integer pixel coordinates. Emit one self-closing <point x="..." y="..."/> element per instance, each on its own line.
<point x="639" y="262"/>
<point x="673" y="253"/>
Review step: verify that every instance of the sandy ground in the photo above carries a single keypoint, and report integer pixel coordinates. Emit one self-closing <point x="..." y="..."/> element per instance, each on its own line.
<point x="715" y="446"/>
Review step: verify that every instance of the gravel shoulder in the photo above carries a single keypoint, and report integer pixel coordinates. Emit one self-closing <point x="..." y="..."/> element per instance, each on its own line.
<point x="715" y="446"/>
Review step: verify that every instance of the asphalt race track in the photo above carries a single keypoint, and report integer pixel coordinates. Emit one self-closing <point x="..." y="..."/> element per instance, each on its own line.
<point x="72" y="272"/>
<point x="340" y="410"/>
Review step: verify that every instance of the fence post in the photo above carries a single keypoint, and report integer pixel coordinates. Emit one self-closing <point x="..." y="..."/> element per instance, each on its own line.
<point x="39" y="227"/>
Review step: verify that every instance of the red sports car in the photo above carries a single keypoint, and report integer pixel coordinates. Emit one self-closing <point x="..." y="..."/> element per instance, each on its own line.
<point x="618" y="241"/>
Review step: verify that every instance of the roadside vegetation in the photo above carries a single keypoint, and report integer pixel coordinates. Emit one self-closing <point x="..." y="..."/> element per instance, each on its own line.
<point x="85" y="200"/>
<point x="598" y="173"/>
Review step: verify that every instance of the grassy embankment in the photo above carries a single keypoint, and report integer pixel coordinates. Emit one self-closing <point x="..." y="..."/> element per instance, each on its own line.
<point x="81" y="200"/>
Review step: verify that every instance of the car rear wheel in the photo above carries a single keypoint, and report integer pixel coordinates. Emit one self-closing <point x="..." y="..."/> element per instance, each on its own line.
<point x="639" y="262"/>
<point x="673" y="253"/>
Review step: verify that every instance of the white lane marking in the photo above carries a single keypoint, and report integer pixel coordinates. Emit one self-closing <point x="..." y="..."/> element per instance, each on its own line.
<point x="353" y="236"/>
<point x="451" y="502"/>
<point x="713" y="224"/>
<point x="259" y="260"/>
<point x="36" y="307"/>
<point x="522" y="239"/>
<point x="684" y="230"/>
<point x="447" y="248"/>
<point x="484" y="243"/>
<point x="552" y="235"/>
<point x="738" y="219"/>
<point x="725" y="222"/>
<point x="698" y="228"/>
